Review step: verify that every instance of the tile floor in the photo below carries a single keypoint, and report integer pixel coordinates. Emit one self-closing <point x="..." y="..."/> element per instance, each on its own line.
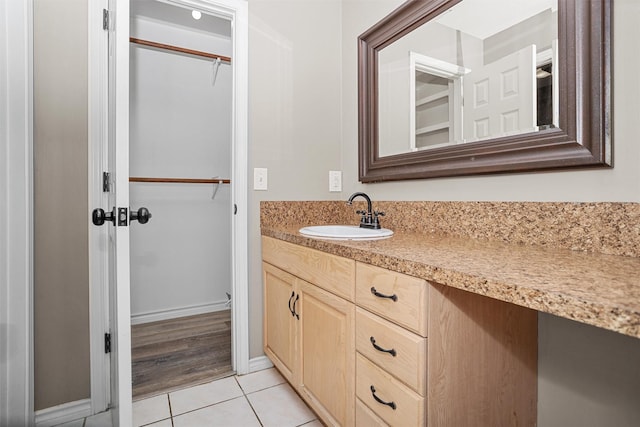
<point x="262" y="398"/>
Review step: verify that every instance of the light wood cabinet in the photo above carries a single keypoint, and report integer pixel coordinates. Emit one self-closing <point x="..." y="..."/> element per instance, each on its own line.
<point x="309" y="332"/>
<point x="391" y="360"/>
<point x="394" y="349"/>
<point x="332" y="273"/>
<point x="368" y="346"/>
<point x="279" y="326"/>
<point x="327" y="355"/>
<point x="400" y="298"/>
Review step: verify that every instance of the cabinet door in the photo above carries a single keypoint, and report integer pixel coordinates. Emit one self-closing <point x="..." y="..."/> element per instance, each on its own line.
<point x="327" y="350"/>
<point x="279" y="322"/>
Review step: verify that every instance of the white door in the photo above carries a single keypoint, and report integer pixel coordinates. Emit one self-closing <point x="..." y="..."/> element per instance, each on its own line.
<point x="118" y="197"/>
<point x="118" y="168"/>
<point x="500" y="98"/>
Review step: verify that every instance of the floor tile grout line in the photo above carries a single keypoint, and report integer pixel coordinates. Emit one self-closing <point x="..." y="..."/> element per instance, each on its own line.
<point x="248" y="401"/>
<point x="244" y="394"/>
<point x="256" y="391"/>
<point x="266" y="388"/>
<point x="170" y="410"/>
<point x="170" y="417"/>
<point x="254" y="411"/>
<point x="207" y="406"/>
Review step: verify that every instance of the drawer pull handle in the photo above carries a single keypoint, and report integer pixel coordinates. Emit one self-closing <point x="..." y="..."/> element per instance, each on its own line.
<point x="377" y="347"/>
<point x="290" y="298"/>
<point x="390" y="404"/>
<point x="294" y="307"/>
<point x="393" y="297"/>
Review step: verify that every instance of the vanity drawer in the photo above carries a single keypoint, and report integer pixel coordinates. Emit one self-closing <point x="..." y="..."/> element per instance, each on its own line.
<point x="406" y="304"/>
<point x="410" y="407"/>
<point x="330" y="272"/>
<point x="409" y="364"/>
<point x="366" y="418"/>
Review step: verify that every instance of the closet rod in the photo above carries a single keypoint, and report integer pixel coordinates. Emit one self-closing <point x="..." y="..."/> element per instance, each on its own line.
<point x="181" y="180"/>
<point x="179" y="49"/>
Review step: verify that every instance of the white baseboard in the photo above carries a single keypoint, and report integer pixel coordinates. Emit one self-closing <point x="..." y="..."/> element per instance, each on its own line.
<point x="154" y="316"/>
<point x="63" y="413"/>
<point x="259" y="363"/>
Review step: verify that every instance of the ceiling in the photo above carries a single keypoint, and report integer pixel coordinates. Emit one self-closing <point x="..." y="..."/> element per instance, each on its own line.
<point x="180" y="16"/>
<point x="484" y="18"/>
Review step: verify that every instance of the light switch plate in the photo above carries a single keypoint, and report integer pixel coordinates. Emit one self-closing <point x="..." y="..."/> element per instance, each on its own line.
<point x="335" y="181"/>
<point x="260" y="178"/>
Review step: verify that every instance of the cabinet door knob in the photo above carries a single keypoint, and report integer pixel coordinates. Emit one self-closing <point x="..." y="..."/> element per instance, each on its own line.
<point x="290" y="298"/>
<point x="294" y="307"/>
<point x="377" y="347"/>
<point x="392" y="405"/>
<point x="393" y="297"/>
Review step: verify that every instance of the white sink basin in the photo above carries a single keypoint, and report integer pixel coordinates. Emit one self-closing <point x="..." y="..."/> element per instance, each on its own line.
<point x="345" y="232"/>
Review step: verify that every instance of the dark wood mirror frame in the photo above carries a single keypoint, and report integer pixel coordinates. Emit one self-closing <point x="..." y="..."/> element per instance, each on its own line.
<point x="582" y="140"/>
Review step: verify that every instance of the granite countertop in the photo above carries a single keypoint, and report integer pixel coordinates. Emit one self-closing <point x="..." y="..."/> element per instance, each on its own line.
<point x="594" y="288"/>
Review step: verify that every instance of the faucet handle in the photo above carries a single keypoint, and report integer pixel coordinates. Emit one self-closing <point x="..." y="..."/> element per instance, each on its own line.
<point x="359" y="212"/>
<point x="375" y="221"/>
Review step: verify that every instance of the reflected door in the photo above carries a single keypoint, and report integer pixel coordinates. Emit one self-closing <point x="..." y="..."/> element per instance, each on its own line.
<point x="501" y="97"/>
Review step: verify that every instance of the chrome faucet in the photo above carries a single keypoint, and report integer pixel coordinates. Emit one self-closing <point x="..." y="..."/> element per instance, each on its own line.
<point x="369" y="218"/>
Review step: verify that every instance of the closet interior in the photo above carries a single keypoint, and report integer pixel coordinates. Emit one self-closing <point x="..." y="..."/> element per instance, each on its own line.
<point x="180" y="167"/>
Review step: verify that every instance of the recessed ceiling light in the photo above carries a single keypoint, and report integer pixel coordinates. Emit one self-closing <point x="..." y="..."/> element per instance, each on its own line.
<point x="196" y="14"/>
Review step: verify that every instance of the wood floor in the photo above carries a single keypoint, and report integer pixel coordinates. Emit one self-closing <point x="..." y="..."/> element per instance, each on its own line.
<point x="175" y="353"/>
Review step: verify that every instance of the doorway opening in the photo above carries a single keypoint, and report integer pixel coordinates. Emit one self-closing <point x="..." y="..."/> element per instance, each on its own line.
<point x="181" y="157"/>
<point x="109" y="131"/>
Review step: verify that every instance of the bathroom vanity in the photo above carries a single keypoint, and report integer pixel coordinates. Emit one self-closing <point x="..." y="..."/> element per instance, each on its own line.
<point x="425" y="327"/>
<point x="356" y="341"/>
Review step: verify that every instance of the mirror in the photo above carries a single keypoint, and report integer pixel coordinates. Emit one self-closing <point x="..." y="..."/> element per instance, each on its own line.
<point x="451" y="87"/>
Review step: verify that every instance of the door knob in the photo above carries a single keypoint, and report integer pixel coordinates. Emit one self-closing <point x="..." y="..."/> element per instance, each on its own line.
<point x="98" y="216"/>
<point x="142" y="215"/>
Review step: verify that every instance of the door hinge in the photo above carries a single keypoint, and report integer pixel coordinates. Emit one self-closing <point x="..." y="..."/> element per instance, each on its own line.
<point x="105" y="19"/>
<point x="106" y="185"/>
<point x="107" y="342"/>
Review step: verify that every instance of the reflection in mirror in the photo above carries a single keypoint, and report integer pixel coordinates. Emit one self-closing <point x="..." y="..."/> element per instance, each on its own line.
<point x="481" y="69"/>
<point x="526" y="87"/>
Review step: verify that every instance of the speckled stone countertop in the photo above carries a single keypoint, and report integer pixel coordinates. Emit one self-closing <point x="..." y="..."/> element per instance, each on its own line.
<point x="593" y="287"/>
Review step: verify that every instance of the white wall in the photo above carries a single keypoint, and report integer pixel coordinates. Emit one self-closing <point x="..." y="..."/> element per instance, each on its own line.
<point x="180" y="127"/>
<point x="294" y="114"/>
<point x="597" y="366"/>
<point x="61" y="206"/>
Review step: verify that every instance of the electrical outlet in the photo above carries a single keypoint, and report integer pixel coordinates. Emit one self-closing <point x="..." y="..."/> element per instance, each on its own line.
<point x="335" y="181"/>
<point x="260" y="178"/>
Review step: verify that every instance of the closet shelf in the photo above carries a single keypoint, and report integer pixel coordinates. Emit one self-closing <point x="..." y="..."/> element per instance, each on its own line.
<point x="432" y="128"/>
<point x="179" y="49"/>
<point x="181" y="180"/>
<point x="431" y="98"/>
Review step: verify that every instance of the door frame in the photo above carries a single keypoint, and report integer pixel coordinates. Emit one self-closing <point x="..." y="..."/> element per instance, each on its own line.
<point x="97" y="157"/>
<point x="237" y="11"/>
<point x="16" y="211"/>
